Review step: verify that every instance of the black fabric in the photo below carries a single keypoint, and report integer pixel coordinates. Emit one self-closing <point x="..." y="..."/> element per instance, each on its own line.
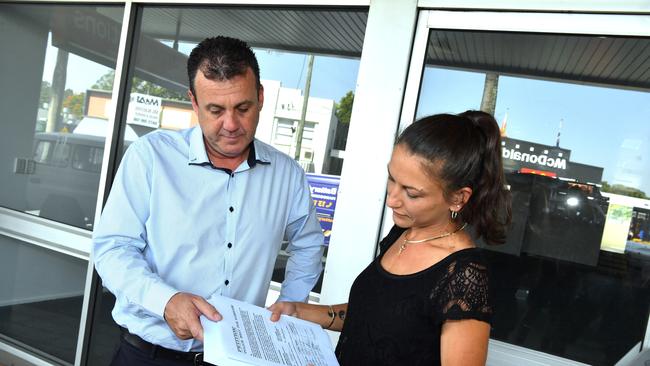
<point x="128" y="355"/>
<point x="136" y="351"/>
<point x="397" y="319"/>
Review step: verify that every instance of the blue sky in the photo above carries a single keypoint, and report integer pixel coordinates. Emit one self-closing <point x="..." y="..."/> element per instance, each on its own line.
<point x="599" y="124"/>
<point x="604" y="127"/>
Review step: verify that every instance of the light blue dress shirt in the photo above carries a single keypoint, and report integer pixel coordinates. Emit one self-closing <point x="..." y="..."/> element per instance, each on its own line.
<point x="174" y="223"/>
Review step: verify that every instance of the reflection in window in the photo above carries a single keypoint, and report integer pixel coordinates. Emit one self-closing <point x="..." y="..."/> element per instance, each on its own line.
<point x="61" y="155"/>
<point x="42" y="153"/>
<point x="72" y="52"/>
<point x="87" y="158"/>
<point x="58" y="52"/>
<point x="298" y="49"/>
<point x="322" y="64"/>
<point x="577" y="165"/>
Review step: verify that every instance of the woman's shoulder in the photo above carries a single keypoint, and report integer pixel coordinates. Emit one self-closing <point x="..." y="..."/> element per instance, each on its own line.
<point x="464" y="291"/>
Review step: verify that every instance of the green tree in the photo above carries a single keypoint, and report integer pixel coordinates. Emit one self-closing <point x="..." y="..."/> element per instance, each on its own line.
<point x="139" y="86"/>
<point x="105" y="82"/>
<point x="75" y="104"/>
<point x="623" y="190"/>
<point x="343" y="109"/>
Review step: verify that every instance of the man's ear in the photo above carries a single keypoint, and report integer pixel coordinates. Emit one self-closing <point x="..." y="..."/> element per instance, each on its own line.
<point x="195" y="104"/>
<point x="260" y="97"/>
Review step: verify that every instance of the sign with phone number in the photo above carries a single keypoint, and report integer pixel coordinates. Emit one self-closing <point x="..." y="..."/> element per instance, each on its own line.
<point x="324" y="191"/>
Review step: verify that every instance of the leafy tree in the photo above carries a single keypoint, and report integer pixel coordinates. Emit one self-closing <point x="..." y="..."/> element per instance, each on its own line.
<point x="105" y="82"/>
<point x="75" y="104"/>
<point x="139" y="86"/>
<point x="149" y="88"/>
<point x="623" y="190"/>
<point x="343" y="109"/>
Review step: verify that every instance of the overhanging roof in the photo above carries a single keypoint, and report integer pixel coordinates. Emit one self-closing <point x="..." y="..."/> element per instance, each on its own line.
<point x="622" y="62"/>
<point x="304" y="29"/>
<point x="608" y="61"/>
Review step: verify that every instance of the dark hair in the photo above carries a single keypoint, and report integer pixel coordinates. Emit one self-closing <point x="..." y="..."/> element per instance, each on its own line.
<point x="221" y="58"/>
<point x="464" y="150"/>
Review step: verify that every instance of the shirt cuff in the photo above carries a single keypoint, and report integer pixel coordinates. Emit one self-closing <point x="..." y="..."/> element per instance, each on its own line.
<point x="157" y="298"/>
<point x="289" y="296"/>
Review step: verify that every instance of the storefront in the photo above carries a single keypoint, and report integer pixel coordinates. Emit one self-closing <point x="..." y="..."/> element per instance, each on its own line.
<point x="571" y="80"/>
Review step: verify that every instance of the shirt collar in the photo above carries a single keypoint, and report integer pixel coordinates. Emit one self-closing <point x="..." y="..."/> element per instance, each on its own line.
<point x="199" y="156"/>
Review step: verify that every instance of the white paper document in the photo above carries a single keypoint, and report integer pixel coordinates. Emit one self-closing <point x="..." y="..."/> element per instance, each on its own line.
<point x="246" y="336"/>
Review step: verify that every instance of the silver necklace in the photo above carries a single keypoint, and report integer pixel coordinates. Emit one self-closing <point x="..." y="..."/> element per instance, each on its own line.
<point x="402" y="247"/>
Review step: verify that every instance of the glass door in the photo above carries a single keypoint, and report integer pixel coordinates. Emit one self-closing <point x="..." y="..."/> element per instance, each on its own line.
<point x="572" y="95"/>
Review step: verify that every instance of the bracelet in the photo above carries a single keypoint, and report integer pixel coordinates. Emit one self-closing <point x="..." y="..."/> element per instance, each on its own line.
<point x="331" y="313"/>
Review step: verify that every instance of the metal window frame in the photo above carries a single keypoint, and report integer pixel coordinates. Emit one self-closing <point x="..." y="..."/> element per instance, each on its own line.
<point x="45" y="233"/>
<point x="22" y="355"/>
<point x="112" y="147"/>
<point x="584" y="6"/>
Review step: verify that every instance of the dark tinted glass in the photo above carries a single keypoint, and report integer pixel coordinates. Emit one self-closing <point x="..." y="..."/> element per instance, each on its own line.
<point x="572" y="279"/>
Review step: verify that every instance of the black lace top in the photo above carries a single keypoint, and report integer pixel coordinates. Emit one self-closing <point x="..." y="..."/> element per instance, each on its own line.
<point x="397" y="319"/>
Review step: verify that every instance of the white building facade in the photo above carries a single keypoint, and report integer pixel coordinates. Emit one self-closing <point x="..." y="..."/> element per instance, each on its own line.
<point x="401" y="59"/>
<point x="279" y="123"/>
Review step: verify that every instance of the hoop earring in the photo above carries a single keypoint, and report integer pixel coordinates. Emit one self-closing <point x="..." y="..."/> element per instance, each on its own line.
<point x="454" y="214"/>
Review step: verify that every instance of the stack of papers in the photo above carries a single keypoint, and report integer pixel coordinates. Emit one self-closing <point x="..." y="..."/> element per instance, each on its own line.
<point x="246" y="336"/>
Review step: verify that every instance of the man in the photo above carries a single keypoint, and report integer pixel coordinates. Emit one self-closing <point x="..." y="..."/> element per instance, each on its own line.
<point x="202" y="212"/>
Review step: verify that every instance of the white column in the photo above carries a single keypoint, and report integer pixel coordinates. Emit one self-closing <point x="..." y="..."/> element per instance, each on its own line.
<point x="375" y="117"/>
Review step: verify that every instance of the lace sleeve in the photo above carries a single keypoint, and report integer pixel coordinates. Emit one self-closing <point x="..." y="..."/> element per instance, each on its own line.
<point x="464" y="293"/>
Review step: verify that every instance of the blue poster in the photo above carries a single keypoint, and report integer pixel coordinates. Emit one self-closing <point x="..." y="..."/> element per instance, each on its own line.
<point x="324" y="190"/>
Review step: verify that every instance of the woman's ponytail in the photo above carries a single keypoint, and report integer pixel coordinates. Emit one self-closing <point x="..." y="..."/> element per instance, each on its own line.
<point x="490" y="203"/>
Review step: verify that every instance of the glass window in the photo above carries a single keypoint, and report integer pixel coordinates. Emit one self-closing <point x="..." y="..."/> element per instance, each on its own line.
<point x="61" y="53"/>
<point x="320" y="57"/>
<point x="572" y="278"/>
<point x="87" y="158"/>
<point x="58" y="54"/>
<point x="40" y="300"/>
<point x="42" y="153"/>
<point x="61" y="155"/>
<point x="298" y="49"/>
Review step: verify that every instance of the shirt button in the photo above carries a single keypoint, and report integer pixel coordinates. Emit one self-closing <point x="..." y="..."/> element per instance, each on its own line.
<point x="227" y="282"/>
<point x="231" y="209"/>
<point x="229" y="245"/>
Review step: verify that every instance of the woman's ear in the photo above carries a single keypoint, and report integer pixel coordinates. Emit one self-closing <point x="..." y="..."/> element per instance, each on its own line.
<point x="460" y="198"/>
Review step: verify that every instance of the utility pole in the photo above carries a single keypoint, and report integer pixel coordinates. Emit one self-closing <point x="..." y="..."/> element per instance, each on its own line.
<point x="303" y="114"/>
<point x="58" y="90"/>
<point x="178" y="29"/>
<point x="489" y="101"/>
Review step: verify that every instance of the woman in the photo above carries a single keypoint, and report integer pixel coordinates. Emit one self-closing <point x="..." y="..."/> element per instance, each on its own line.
<point x="425" y="299"/>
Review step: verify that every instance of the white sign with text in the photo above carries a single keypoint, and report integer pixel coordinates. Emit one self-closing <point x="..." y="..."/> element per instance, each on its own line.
<point x="144" y="110"/>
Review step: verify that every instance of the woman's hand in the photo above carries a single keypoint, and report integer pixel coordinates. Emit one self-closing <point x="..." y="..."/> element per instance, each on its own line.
<point x="283" y="307"/>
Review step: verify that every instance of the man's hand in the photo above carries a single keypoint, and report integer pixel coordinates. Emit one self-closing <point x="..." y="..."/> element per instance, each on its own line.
<point x="182" y="313"/>
<point x="283" y="307"/>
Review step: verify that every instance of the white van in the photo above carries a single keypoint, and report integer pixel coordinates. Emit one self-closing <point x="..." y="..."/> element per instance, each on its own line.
<point x="64" y="184"/>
